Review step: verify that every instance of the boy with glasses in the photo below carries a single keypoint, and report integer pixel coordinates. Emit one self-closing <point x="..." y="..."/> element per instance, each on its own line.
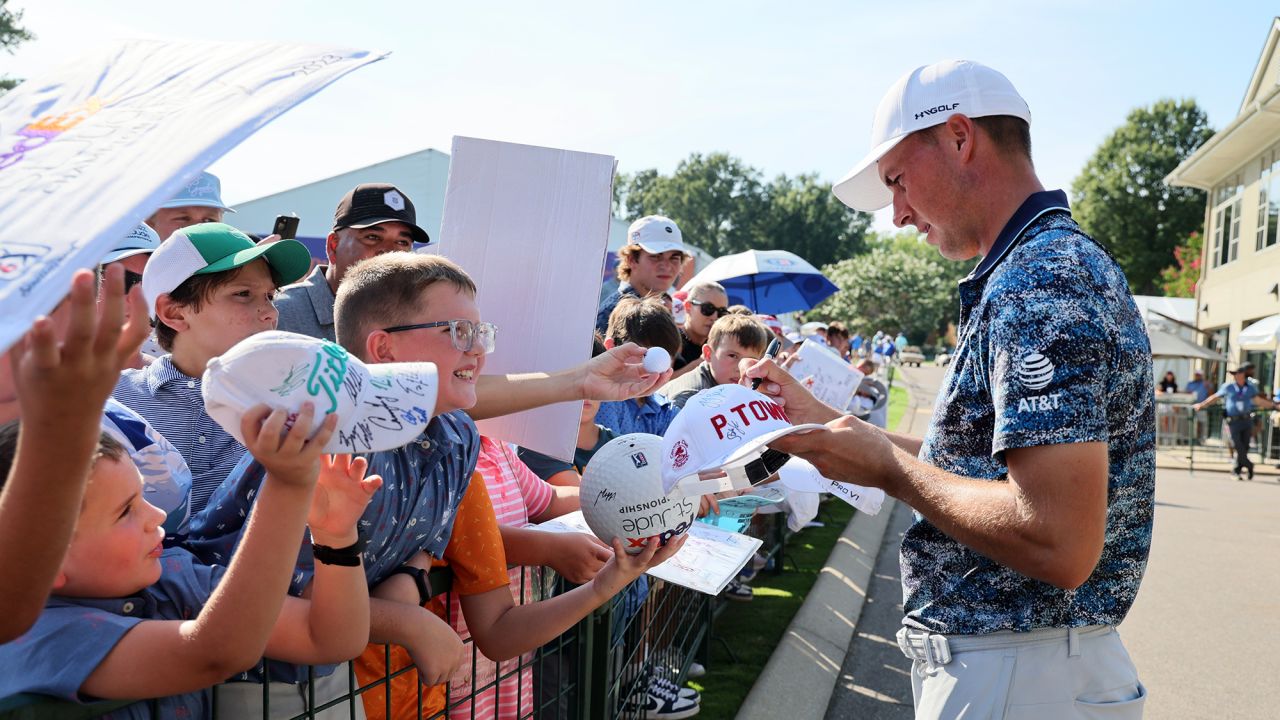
<point x="433" y="509"/>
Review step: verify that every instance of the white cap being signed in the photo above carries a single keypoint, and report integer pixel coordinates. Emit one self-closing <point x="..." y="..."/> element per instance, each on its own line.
<point x="380" y="406"/>
<point x="723" y="431"/>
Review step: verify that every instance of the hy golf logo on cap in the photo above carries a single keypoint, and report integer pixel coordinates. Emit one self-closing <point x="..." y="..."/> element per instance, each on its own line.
<point x="638" y="459"/>
<point x="937" y="109"/>
<point x="394" y="200"/>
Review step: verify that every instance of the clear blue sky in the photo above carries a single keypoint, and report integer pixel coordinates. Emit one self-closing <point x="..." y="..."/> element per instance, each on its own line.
<point x="789" y="87"/>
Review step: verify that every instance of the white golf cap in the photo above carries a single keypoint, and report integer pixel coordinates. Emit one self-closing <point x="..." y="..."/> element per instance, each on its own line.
<point x="925" y="97"/>
<point x="724" y="430"/>
<point x="204" y="190"/>
<point x="142" y="240"/>
<point x="656" y="234"/>
<point x="380" y="406"/>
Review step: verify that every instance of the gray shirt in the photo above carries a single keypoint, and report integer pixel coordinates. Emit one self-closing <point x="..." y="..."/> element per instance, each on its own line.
<point x="679" y="391"/>
<point x="306" y="307"/>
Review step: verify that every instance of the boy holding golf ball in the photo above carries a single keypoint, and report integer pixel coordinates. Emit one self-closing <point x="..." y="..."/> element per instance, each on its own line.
<point x="647" y="323"/>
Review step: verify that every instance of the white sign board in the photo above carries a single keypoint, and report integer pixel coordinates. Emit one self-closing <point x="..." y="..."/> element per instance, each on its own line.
<point x="710" y="558"/>
<point x="531" y="225"/>
<point x="91" y="148"/>
<point x="827" y="375"/>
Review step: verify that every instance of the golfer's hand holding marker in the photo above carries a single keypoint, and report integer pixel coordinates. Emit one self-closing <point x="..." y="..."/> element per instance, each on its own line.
<point x="848" y="450"/>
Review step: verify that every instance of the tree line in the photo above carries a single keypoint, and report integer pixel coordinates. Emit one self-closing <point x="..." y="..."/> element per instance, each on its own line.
<point x="896" y="282"/>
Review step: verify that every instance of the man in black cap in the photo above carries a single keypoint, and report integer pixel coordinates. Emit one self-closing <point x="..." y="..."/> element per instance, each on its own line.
<point x="372" y="219"/>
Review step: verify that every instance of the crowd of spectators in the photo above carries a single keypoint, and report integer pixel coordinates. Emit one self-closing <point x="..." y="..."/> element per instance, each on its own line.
<point x="221" y="558"/>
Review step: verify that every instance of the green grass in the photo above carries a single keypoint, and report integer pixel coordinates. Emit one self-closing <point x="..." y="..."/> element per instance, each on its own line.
<point x="897" y="405"/>
<point x="753" y="629"/>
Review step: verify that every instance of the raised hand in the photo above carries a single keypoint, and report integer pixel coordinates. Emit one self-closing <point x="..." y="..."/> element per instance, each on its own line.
<point x="342" y="492"/>
<point x="288" y="456"/>
<point x="623" y="568"/>
<point x="619" y="374"/>
<point x="70" y="377"/>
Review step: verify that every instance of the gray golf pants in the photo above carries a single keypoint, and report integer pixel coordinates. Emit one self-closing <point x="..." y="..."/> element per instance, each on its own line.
<point x="1046" y="674"/>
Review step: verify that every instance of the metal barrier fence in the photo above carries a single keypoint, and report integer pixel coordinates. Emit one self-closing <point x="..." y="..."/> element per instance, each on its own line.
<point x="1202" y="435"/>
<point x="601" y="668"/>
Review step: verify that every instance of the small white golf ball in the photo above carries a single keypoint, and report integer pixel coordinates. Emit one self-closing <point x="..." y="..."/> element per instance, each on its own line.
<point x="656" y="360"/>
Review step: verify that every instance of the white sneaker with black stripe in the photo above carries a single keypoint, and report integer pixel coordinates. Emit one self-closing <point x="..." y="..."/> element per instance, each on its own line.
<point x="666" y="703"/>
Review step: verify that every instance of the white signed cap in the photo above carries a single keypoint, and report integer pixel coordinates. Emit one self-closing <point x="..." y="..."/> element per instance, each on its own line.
<point x="379" y="406"/>
<point x="723" y="431"/>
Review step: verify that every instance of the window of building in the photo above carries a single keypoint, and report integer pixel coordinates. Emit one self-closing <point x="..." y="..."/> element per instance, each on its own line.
<point x="1226" y="222"/>
<point x="1216" y="340"/>
<point x="1268" y="201"/>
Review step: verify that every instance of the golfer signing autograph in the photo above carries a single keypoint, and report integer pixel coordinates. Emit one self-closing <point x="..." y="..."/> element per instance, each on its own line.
<point x="1033" y="488"/>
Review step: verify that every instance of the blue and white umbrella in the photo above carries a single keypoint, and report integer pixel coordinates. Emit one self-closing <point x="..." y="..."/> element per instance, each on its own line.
<point x="767" y="281"/>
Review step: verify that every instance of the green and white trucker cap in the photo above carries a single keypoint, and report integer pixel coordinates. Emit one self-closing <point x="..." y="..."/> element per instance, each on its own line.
<point x="217" y="247"/>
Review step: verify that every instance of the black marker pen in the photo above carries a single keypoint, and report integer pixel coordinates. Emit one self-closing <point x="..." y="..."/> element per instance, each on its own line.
<point x="770" y="353"/>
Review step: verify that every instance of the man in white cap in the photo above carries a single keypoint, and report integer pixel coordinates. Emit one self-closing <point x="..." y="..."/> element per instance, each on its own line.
<point x="199" y="201"/>
<point x="1033" y="489"/>
<point x="647" y="264"/>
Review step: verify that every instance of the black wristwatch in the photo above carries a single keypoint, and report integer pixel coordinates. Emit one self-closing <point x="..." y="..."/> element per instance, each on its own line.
<point x="348" y="556"/>
<point x="419" y="579"/>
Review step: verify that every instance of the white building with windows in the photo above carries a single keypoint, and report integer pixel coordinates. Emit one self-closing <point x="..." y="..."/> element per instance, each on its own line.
<point x="1239" y="168"/>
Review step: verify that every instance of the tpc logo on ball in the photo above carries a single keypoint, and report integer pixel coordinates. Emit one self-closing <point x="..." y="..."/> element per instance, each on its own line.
<point x="639" y="460"/>
<point x="1035" y="371"/>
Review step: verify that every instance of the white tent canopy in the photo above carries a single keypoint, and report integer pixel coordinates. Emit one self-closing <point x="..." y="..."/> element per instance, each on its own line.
<point x="1262" y="335"/>
<point x="1167" y="345"/>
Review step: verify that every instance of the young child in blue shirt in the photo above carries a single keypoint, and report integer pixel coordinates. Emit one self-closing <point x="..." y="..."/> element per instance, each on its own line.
<point x="58" y="376"/>
<point x="129" y="619"/>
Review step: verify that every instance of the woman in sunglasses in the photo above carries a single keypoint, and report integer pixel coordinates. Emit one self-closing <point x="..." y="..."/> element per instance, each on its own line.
<point x="707" y="303"/>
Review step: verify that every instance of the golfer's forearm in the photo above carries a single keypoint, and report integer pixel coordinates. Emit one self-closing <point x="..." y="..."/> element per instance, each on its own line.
<point x="910" y="445"/>
<point x="993" y="519"/>
<point x="498" y="395"/>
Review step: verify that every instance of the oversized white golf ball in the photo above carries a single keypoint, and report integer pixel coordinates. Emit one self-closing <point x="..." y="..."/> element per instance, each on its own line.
<point x="622" y="494"/>
<point x="656" y="360"/>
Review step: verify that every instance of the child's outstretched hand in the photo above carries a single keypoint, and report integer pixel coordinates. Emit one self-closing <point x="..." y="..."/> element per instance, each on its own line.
<point x="342" y="492"/>
<point x="623" y="568"/>
<point x="72" y="376"/>
<point x="288" y="457"/>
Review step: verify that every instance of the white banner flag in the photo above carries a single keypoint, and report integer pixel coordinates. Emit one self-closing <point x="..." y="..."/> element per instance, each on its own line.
<point x="90" y="149"/>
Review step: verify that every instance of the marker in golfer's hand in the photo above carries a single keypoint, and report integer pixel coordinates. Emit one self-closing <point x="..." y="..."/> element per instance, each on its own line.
<point x="770" y="353"/>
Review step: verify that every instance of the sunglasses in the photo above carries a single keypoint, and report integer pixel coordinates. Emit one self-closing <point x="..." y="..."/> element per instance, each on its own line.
<point x="463" y="333"/>
<point x="707" y="309"/>
<point x="131" y="278"/>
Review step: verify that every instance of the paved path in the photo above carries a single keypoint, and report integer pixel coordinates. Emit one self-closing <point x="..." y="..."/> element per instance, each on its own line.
<point x="1206" y="626"/>
<point x="1203" y="632"/>
<point x="875" y="681"/>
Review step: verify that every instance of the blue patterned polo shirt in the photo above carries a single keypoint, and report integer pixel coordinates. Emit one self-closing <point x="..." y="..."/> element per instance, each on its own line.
<point x="1051" y="349"/>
